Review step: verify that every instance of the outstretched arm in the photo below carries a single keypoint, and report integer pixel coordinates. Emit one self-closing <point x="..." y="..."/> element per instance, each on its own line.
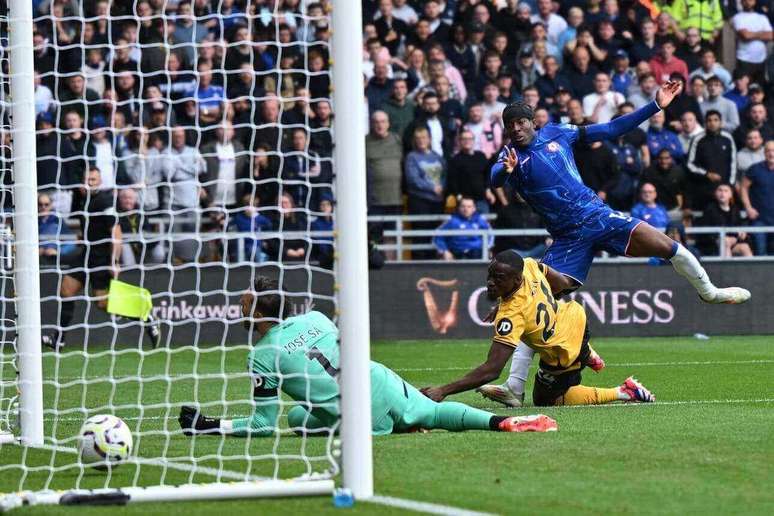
<point x="506" y="164"/>
<point x="624" y="124"/>
<point x="486" y="372"/>
<point x="263" y="421"/>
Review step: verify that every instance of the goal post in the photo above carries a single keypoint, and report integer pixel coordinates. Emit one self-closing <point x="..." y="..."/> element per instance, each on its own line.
<point x="352" y="241"/>
<point x="27" y="276"/>
<point x="201" y="357"/>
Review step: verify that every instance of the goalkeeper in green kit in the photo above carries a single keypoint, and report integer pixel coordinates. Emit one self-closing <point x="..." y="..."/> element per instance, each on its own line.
<point x="300" y="357"/>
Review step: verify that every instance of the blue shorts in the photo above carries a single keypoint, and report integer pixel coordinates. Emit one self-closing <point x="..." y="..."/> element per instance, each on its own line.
<point x="572" y="253"/>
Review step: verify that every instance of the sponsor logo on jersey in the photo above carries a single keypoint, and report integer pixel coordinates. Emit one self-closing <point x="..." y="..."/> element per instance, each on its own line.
<point x="504" y="327"/>
<point x="552" y="147"/>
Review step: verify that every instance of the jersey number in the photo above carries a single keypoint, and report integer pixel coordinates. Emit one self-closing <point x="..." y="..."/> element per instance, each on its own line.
<point x="544" y="314"/>
<point x="619" y="215"/>
<point x="316" y="354"/>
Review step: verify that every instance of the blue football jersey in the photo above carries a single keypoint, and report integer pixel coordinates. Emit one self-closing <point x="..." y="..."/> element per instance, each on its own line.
<point x="548" y="179"/>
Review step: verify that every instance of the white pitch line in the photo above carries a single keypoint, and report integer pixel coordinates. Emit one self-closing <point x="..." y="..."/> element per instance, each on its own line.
<point x="232" y="475"/>
<point x="426" y="507"/>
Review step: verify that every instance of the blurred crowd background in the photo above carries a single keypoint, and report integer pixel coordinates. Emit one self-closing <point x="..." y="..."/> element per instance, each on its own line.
<point x="214" y="115"/>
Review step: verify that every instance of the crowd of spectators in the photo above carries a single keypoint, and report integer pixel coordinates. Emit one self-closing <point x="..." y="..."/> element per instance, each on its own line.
<point x="217" y="112"/>
<point x="438" y="74"/>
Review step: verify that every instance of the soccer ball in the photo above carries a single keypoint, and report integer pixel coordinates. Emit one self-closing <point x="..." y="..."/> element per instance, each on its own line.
<point x="104" y="441"/>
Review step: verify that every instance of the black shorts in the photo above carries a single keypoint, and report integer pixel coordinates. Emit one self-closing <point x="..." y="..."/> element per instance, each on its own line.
<point x="94" y="271"/>
<point x="551" y="382"/>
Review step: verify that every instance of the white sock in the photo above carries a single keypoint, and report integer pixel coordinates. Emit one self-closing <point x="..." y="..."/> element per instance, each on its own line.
<point x="226" y="426"/>
<point x="689" y="268"/>
<point x="520" y="362"/>
<point x="623" y="396"/>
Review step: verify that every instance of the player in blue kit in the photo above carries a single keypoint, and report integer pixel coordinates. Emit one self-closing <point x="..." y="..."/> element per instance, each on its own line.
<point x="540" y="165"/>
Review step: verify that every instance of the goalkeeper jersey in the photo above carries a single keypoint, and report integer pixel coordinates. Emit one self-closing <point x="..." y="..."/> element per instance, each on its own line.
<point x="299" y="357"/>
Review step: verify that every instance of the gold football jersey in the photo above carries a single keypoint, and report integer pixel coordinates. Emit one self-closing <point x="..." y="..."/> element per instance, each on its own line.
<point x="554" y="329"/>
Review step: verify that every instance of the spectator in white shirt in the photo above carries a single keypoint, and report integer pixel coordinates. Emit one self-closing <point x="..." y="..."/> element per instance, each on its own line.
<point x="753" y="30"/>
<point x="43" y="96"/>
<point x="104" y="158"/>
<point x="716" y="101"/>
<point x="402" y="11"/>
<point x="94" y="71"/>
<point x="554" y="23"/>
<point x="710" y="67"/>
<point x="689" y="128"/>
<point x="493" y="108"/>
<point x="488" y="136"/>
<point x="600" y="107"/>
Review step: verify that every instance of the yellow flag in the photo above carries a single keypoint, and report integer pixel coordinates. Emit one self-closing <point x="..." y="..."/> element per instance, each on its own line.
<point x="129" y="300"/>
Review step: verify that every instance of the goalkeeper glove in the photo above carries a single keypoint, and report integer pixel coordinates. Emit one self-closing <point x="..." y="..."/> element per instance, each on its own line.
<point x="194" y="422"/>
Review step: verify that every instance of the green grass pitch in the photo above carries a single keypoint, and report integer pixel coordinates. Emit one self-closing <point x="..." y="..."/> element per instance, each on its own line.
<point x="706" y="446"/>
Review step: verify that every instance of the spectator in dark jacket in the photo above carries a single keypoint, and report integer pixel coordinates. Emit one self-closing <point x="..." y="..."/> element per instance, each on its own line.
<point x="291" y="218"/>
<point x="551" y="81"/>
<point x="668" y="178"/>
<point x="461" y="247"/>
<point x="440" y="128"/>
<point x="322" y="248"/>
<point x="515" y="213"/>
<point x="680" y="105"/>
<point x="757" y="194"/>
<point x="250" y="219"/>
<point x="580" y="74"/>
<point x="711" y="160"/>
<point x="757" y="118"/>
<point x="722" y="211"/>
<point x="379" y="87"/>
<point x="598" y="167"/>
<point x="468" y="174"/>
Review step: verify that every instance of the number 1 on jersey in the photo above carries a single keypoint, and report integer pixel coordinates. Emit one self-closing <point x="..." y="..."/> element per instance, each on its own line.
<point x="316" y="354"/>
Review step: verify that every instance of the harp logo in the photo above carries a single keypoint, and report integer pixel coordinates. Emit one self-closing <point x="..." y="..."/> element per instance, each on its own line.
<point x="441" y="320"/>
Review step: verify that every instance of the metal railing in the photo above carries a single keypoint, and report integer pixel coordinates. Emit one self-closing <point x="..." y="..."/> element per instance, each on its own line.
<point x="399" y="240"/>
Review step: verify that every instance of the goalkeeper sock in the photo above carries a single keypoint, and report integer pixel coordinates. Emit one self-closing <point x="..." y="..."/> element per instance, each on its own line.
<point x="520" y="362"/>
<point x="65" y="318"/>
<point x="66" y="313"/>
<point x="453" y="416"/>
<point x="582" y="395"/>
<point x="689" y="267"/>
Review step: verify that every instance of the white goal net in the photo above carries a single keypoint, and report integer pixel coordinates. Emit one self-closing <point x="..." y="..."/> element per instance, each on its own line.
<point x="183" y="147"/>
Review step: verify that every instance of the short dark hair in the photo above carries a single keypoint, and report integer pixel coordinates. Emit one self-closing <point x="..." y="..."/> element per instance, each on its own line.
<point x="268" y="300"/>
<point x="511" y="258"/>
<point x="712" y="112"/>
<point x="516" y="111"/>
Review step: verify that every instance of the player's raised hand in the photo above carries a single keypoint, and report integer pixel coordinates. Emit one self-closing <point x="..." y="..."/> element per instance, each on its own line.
<point x="511" y="159"/>
<point x="667" y="93"/>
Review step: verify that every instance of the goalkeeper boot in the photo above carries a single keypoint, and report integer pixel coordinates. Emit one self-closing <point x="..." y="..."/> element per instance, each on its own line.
<point x="536" y="423"/>
<point x="53" y="340"/>
<point x="634" y="391"/>
<point x="153" y="331"/>
<point x="502" y="394"/>
<point x="728" y="296"/>
<point x="595" y="362"/>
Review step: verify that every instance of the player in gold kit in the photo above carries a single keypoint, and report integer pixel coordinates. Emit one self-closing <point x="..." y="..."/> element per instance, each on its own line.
<point x="527" y="312"/>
